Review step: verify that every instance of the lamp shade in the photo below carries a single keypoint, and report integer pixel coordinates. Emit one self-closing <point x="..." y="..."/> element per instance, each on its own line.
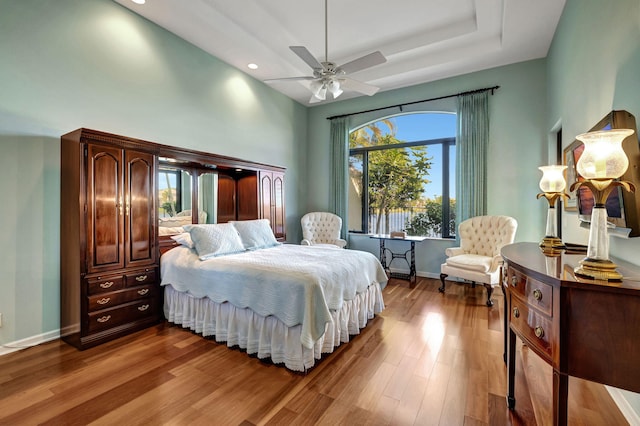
<point x="319" y="89"/>
<point x="552" y="178"/>
<point x="334" y="88"/>
<point x="603" y="156"/>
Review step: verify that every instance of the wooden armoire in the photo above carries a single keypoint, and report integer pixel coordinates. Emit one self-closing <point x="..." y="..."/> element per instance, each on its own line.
<point x="110" y="248"/>
<point x="109" y="258"/>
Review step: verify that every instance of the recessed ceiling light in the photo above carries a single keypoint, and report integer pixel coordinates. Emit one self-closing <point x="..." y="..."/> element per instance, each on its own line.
<point x="139" y="1"/>
<point x="252" y="66"/>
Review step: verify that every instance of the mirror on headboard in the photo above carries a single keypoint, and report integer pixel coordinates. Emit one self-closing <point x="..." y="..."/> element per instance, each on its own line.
<point x="207" y="197"/>
<point x="177" y="185"/>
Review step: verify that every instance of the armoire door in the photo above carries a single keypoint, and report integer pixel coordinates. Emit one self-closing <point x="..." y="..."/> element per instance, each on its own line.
<point x="105" y="209"/>
<point x="278" y="217"/>
<point x="266" y="196"/>
<point x="272" y="201"/>
<point x="248" y="197"/>
<point x="140" y="211"/>
<point x="226" y="198"/>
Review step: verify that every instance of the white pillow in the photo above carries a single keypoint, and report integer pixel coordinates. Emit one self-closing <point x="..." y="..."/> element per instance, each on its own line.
<point x="215" y="240"/>
<point x="183" y="238"/>
<point x="255" y="234"/>
<point x="174" y="221"/>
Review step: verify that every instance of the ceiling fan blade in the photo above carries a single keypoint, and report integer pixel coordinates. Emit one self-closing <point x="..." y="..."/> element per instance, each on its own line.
<point x="366" y="61"/>
<point x="269" y="80"/>
<point x="306" y="56"/>
<point x="358" y="86"/>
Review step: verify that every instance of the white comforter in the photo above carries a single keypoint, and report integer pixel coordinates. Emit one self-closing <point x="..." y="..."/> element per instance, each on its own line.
<point x="296" y="284"/>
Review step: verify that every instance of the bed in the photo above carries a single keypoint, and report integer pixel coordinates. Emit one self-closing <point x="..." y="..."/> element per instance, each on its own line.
<point x="285" y="302"/>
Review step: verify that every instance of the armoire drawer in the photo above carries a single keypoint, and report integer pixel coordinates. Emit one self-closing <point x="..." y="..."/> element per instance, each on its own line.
<point x="105" y="283"/>
<point x="140" y="277"/>
<point x="107" y="300"/>
<point x="123" y="314"/>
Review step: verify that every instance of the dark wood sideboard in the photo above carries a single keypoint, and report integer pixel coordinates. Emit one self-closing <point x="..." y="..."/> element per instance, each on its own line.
<point x="583" y="328"/>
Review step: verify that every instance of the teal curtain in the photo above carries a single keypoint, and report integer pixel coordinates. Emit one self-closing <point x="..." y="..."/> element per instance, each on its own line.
<point x="340" y="170"/>
<point x="472" y="140"/>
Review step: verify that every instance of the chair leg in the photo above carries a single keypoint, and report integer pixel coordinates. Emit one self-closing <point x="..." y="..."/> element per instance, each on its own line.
<point x="489" y="291"/>
<point x="473" y="284"/>
<point x="442" y="277"/>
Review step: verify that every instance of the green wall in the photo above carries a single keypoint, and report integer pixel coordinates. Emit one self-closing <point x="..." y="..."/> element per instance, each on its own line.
<point x="92" y="63"/>
<point x="593" y="67"/>
<point x="517" y="147"/>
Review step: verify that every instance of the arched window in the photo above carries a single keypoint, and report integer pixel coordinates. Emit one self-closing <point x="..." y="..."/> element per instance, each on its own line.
<point x="402" y="175"/>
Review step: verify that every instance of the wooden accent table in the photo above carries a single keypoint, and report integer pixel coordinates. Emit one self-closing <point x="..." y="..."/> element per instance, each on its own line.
<point x="584" y="328"/>
<point x="411" y="262"/>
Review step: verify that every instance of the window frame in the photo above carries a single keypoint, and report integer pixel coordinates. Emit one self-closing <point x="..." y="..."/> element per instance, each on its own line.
<point x="445" y="143"/>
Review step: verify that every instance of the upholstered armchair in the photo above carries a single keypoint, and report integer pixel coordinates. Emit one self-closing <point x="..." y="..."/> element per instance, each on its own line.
<point x="322" y="228"/>
<point x="478" y="258"/>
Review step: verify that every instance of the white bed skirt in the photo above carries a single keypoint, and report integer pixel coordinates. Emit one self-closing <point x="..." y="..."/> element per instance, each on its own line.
<point x="268" y="337"/>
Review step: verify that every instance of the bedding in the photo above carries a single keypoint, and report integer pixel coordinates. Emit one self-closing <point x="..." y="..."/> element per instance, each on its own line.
<point x="174" y="222"/>
<point x="255" y="234"/>
<point x="215" y="240"/>
<point x="316" y="295"/>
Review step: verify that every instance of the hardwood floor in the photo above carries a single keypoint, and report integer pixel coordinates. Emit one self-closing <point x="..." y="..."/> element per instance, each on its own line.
<point x="428" y="359"/>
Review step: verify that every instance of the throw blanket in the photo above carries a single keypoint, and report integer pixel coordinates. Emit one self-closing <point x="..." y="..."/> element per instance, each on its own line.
<point x="296" y="284"/>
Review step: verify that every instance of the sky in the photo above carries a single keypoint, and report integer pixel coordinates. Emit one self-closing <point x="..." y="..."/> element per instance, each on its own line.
<point x="416" y="127"/>
<point x="425" y="126"/>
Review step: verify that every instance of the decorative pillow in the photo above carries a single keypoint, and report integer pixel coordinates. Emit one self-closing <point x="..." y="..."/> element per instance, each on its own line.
<point x="183" y="238"/>
<point x="255" y="234"/>
<point x="215" y="240"/>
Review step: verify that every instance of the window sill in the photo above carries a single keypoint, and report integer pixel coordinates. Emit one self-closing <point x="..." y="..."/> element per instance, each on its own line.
<point x="363" y="235"/>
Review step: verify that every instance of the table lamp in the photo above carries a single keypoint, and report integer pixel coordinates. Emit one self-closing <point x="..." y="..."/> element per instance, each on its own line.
<point x="602" y="161"/>
<point x="552" y="185"/>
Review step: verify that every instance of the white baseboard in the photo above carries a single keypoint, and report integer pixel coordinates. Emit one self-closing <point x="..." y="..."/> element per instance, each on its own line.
<point x="8" y="348"/>
<point x="625" y="408"/>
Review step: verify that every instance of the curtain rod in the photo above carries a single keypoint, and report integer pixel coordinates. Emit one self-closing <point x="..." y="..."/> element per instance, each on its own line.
<point x="492" y="89"/>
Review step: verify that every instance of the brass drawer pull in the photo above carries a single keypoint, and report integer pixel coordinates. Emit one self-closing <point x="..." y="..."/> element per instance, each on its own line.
<point x="104" y="318"/>
<point x="143" y="308"/>
<point x="141" y="278"/>
<point x="539" y="332"/>
<point x="143" y="291"/>
<point x="516" y="312"/>
<point x="537" y="294"/>
<point x="103" y="301"/>
<point x="106" y="284"/>
<point x="514" y="281"/>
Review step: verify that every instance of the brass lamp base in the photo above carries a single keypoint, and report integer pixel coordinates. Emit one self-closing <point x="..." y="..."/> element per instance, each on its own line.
<point x="551" y="243"/>
<point x="551" y="246"/>
<point x="598" y="270"/>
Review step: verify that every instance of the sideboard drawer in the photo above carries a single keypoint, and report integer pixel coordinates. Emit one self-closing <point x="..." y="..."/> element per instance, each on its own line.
<point x="109" y="318"/>
<point x="536" y="293"/>
<point x="535" y="327"/>
<point x="108" y="300"/>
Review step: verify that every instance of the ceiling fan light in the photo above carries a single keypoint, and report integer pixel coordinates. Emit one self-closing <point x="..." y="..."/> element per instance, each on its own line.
<point x="315" y="86"/>
<point x="334" y="88"/>
<point x="321" y="93"/>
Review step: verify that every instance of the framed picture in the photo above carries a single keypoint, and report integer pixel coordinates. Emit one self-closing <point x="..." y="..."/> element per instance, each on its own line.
<point x="571" y="174"/>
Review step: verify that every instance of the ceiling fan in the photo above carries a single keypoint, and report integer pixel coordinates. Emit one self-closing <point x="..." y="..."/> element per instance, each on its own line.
<point x="327" y="76"/>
